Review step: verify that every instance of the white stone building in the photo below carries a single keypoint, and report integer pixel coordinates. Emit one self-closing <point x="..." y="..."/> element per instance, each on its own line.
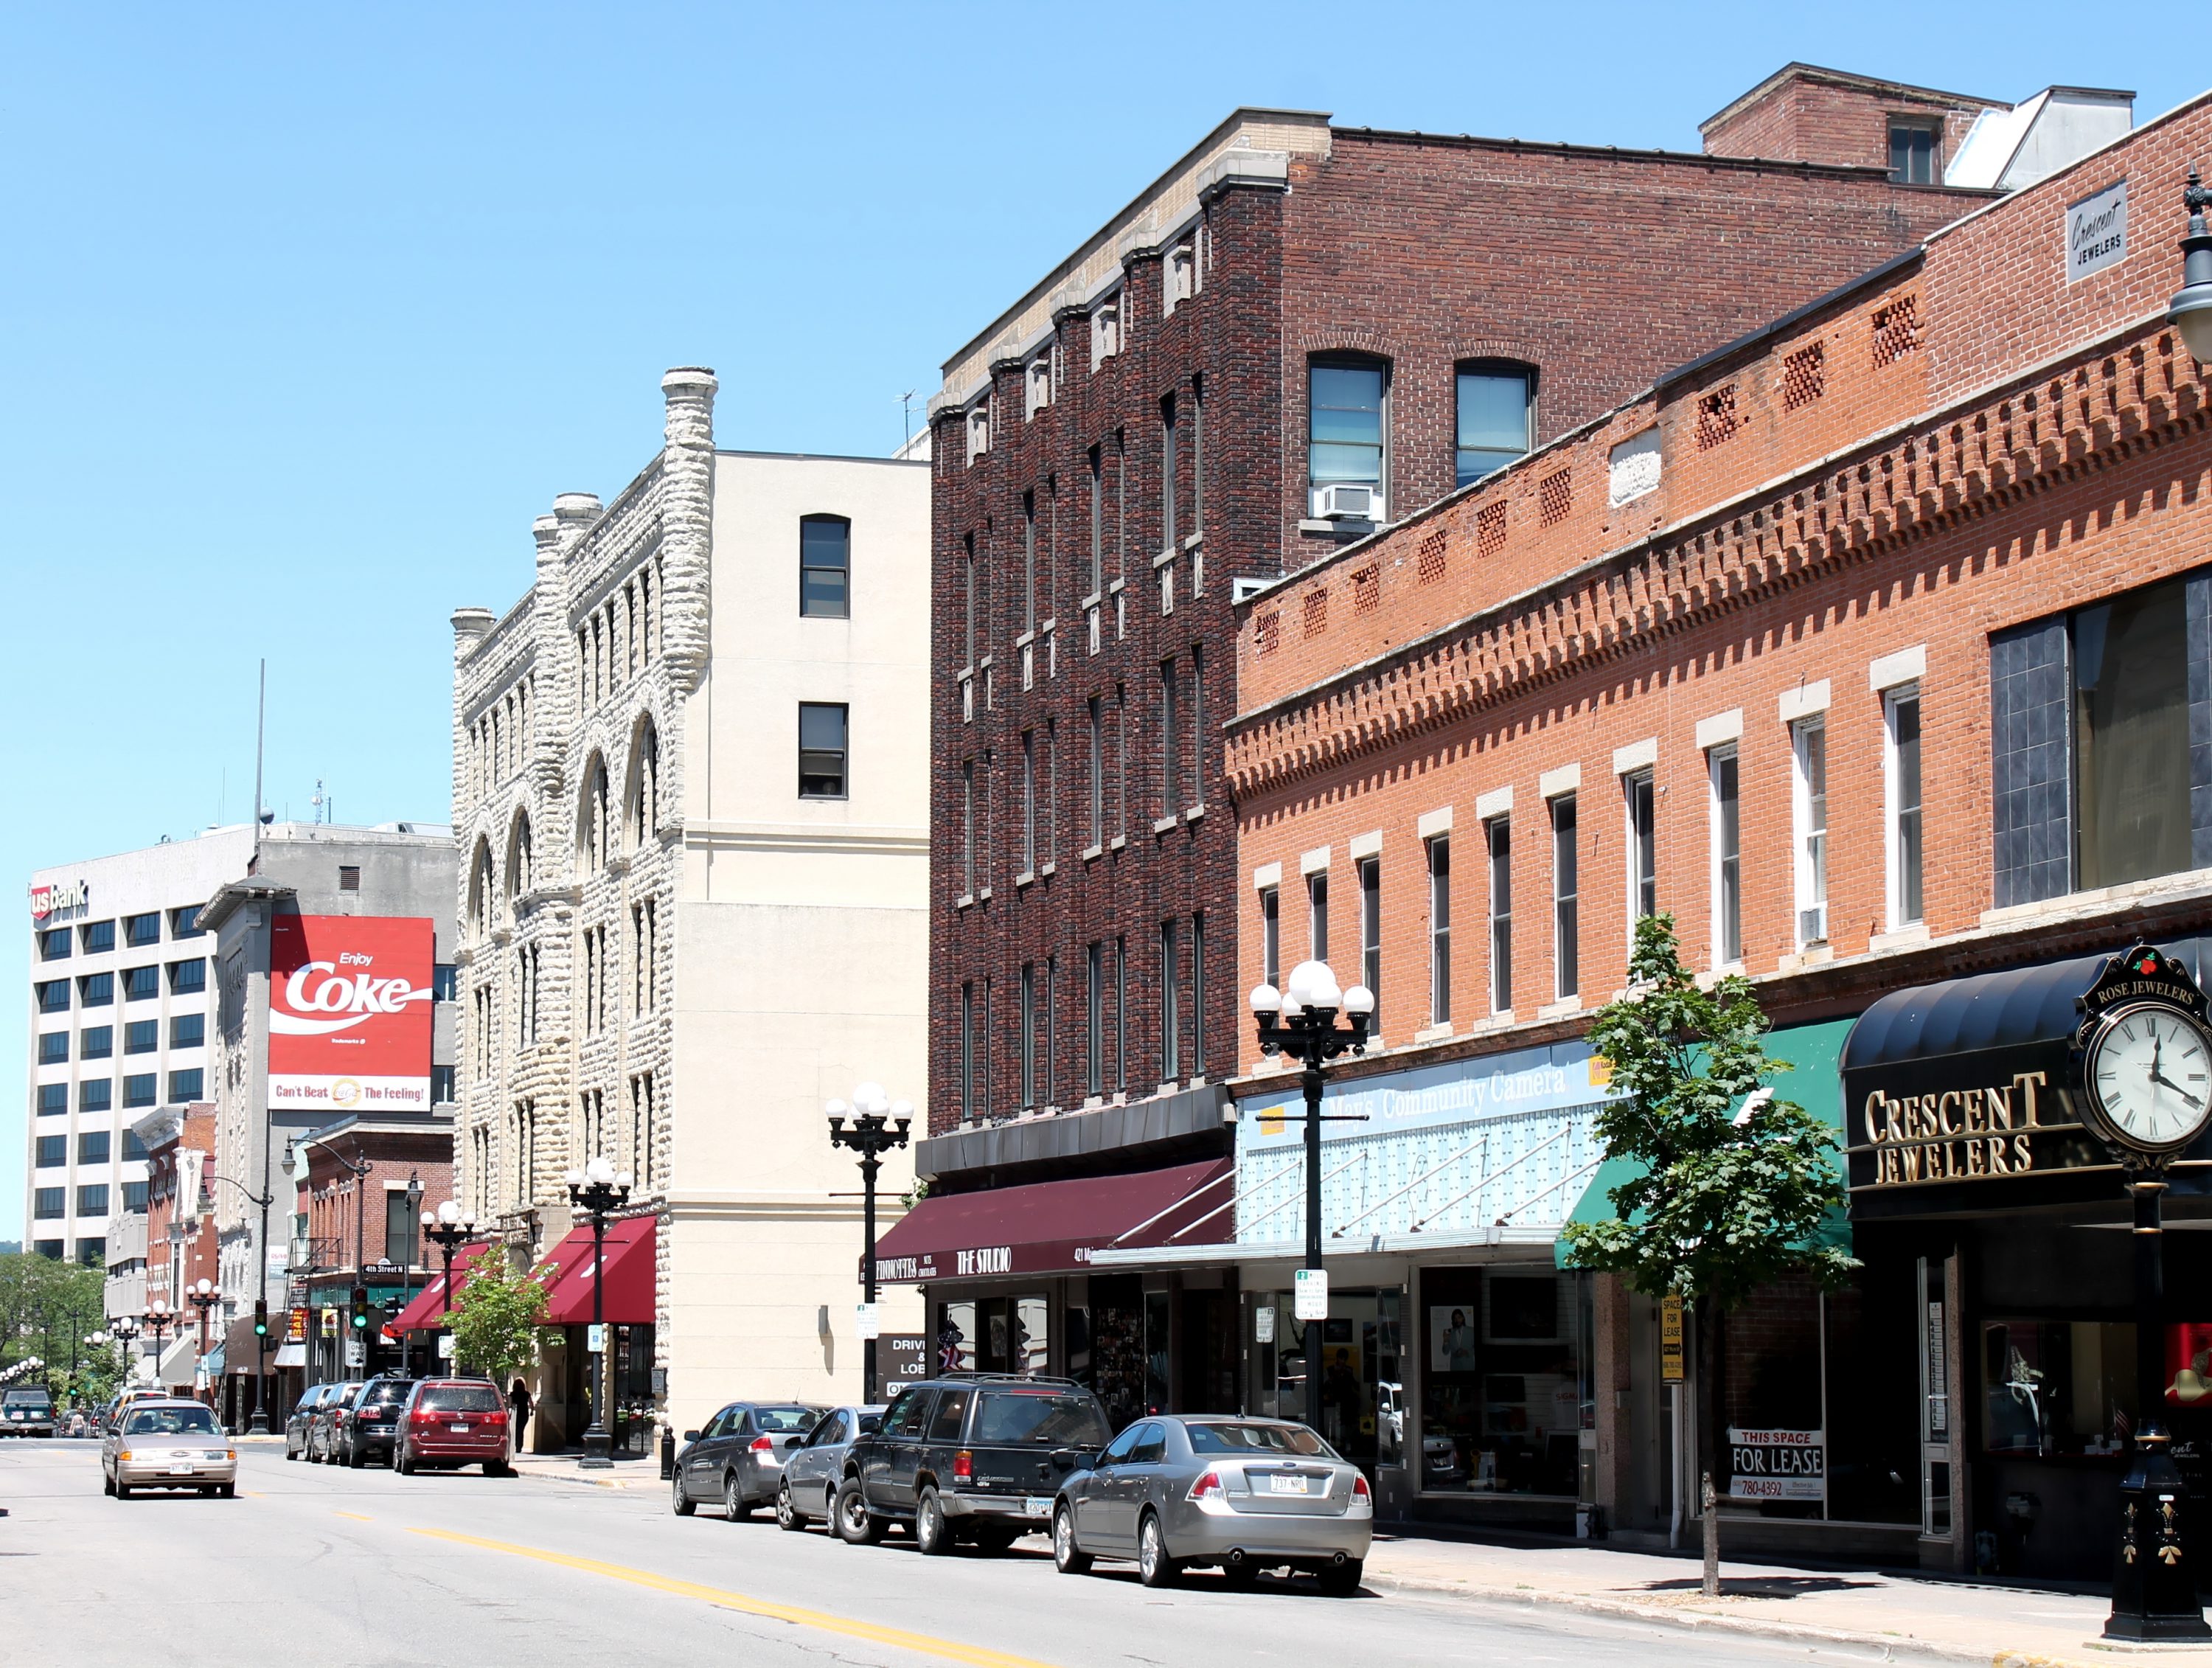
<point x="690" y="789"/>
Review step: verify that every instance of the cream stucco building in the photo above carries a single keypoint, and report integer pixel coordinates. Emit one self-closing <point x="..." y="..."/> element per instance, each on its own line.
<point x="690" y="791"/>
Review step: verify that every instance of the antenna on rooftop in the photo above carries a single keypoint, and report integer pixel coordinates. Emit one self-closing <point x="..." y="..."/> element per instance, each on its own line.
<point x="906" y="412"/>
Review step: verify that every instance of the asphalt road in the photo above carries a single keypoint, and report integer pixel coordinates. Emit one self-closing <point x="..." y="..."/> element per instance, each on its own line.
<point x="316" y="1565"/>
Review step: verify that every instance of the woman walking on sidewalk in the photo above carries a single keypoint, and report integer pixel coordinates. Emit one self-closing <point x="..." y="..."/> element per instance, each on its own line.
<point x="518" y="1400"/>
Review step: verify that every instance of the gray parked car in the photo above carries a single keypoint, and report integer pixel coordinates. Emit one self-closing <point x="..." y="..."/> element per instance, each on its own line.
<point x="811" y="1472"/>
<point x="737" y="1457"/>
<point x="1240" y="1495"/>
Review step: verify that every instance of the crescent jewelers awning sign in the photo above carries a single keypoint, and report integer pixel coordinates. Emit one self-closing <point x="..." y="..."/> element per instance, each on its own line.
<point x="349" y="1008"/>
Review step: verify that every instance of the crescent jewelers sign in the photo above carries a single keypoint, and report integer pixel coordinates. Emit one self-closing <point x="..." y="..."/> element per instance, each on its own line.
<point x="350" y="1006"/>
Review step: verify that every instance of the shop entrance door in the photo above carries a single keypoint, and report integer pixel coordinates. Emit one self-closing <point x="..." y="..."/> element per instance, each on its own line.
<point x="1359" y="1350"/>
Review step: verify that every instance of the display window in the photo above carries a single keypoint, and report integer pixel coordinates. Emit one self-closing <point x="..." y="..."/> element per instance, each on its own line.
<point x="1505" y="1385"/>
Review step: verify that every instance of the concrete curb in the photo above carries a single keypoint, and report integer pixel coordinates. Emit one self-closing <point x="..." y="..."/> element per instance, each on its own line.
<point x="1753" y="1626"/>
<point x="545" y="1474"/>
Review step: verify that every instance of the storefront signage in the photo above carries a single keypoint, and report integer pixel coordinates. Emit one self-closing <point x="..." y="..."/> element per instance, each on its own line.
<point x="2097" y="232"/>
<point x="57" y="896"/>
<point x="1947" y="1134"/>
<point x="1777" y="1464"/>
<point x="1670" y="1339"/>
<point x="901" y="1359"/>
<point x="350" y="1012"/>
<point x="1263" y="1324"/>
<point x="1460" y="1091"/>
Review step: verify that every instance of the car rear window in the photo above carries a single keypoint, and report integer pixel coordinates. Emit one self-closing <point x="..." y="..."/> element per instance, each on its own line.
<point x="171" y="1421"/>
<point x="27" y="1398"/>
<point x="1238" y="1438"/>
<point x="780" y="1420"/>
<point x="1058" y="1417"/>
<point x="460" y="1398"/>
<point x="379" y="1394"/>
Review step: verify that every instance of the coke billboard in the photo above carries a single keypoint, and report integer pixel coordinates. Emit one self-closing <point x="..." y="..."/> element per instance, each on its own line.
<point x="349" y="1003"/>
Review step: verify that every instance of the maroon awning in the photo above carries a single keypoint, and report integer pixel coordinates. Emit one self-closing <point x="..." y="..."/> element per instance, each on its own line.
<point x="1052" y="1227"/>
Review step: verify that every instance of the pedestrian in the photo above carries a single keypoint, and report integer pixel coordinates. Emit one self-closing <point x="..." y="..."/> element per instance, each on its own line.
<point x="519" y="1400"/>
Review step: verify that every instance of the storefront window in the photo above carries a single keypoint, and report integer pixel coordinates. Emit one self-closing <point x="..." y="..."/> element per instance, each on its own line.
<point x="2057" y="1386"/>
<point x="1505" y="1392"/>
<point x="1117" y="1346"/>
<point x="1362" y="1387"/>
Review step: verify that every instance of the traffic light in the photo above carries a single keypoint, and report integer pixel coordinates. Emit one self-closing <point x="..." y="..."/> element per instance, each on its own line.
<point x="260" y="1317"/>
<point x="360" y="1308"/>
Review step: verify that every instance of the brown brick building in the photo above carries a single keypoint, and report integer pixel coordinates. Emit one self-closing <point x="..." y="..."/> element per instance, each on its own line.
<point x="1876" y="649"/>
<point x="1299" y="334"/>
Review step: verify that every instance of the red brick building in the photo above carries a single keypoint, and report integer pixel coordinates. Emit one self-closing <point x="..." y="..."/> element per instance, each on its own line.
<point x="1876" y="647"/>
<point x="180" y="1143"/>
<point x="1297" y="334"/>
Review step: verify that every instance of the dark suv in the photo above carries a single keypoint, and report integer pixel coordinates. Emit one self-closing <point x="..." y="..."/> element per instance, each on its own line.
<point x="973" y="1456"/>
<point x="364" y="1428"/>
<point x="26" y="1411"/>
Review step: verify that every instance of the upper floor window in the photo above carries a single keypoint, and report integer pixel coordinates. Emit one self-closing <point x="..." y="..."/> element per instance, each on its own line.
<point x="596" y="843"/>
<point x="185" y="976"/>
<point x="98" y="937"/>
<point x="825" y="550"/>
<point x="54" y="996"/>
<point x="53" y="944"/>
<point x="1642" y="845"/>
<point x="1808" y="748"/>
<point x="645" y="785"/>
<point x="185" y="922"/>
<point x="822" y="750"/>
<point x="1347" y="430"/>
<point x="1497" y="408"/>
<point x="1912" y="153"/>
<point x="143" y="929"/>
<point x="53" y="1048"/>
<point x="96" y="990"/>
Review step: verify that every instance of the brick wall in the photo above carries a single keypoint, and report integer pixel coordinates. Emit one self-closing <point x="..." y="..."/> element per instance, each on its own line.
<point x="1811" y="118"/>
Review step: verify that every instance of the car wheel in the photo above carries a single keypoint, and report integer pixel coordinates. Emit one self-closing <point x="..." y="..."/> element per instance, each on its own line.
<point x="1067" y="1558"/>
<point x="355" y="1457"/>
<point x="107" y="1484"/>
<point x="122" y="1490"/>
<point x="290" y="1454"/>
<point x="226" y="1491"/>
<point x="1343" y="1580"/>
<point x="405" y="1463"/>
<point x="931" y="1533"/>
<point x="680" y="1502"/>
<point x="856" y="1526"/>
<point x="1154" y="1568"/>
<point x="734" y="1508"/>
<point x="786" y="1509"/>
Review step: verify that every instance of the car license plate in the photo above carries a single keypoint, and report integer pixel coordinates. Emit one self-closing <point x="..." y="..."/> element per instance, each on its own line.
<point x="1286" y="1485"/>
<point x="458" y="1430"/>
<point x="183" y="1470"/>
<point x="1035" y="1506"/>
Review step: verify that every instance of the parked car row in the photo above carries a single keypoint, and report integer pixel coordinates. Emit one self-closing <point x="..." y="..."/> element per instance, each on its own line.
<point x="982" y="1459"/>
<point x="408" y="1424"/>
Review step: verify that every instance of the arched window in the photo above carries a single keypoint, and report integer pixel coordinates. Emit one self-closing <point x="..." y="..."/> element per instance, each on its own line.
<point x="591" y="824"/>
<point x="519" y="869"/>
<point x="480" y="884"/>
<point x="644" y="784"/>
<point x="825" y="566"/>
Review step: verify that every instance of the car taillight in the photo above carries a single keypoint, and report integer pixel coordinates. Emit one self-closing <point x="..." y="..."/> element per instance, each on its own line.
<point x="419" y="1416"/>
<point x="964" y="1466"/>
<point x="1208" y="1487"/>
<point x="1359" y="1487"/>
<point x="761" y="1445"/>
<point x="494" y="1419"/>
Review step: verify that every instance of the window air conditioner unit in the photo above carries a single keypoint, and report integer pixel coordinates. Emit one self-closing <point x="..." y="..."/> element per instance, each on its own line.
<point x="1342" y="502"/>
<point x="1812" y="925"/>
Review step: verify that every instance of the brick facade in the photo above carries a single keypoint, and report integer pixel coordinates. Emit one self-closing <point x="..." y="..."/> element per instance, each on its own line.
<point x="1595" y="269"/>
<point x="1807" y="114"/>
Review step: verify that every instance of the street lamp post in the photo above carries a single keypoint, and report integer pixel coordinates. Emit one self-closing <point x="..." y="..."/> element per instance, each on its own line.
<point x="202" y="1296"/>
<point x="879" y="1124"/>
<point x="598" y="1191"/>
<point x="263" y="1344"/>
<point x="1301" y="1023"/>
<point x="160" y="1319"/>
<point x="407" y="1272"/>
<point x="449" y="1227"/>
<point x="124" y="1332"/>
<point x="2190" y="310"/>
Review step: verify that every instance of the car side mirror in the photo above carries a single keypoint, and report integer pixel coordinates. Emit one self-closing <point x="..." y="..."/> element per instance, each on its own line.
<point x="690" y="1436"/>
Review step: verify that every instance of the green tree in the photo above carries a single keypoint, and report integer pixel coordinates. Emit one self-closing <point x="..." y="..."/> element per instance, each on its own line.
<point x="495" y="1318"/>
<point x="47" y="1309"/>
<point x="1732" y="1187"/>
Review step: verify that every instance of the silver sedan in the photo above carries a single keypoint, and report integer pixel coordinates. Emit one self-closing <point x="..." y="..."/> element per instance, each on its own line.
<point x="1239" y="1495"/>
<point x="811" y="1470"/>
<point x="167" y="1444"/>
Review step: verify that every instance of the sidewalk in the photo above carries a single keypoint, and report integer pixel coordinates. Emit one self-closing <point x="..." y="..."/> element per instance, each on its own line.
<point x="628" y="1471"/>
<point x="1958" y="1621"/>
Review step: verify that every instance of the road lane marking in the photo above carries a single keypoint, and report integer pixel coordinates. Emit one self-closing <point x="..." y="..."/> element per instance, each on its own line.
<point x="356" y="1517"/>
<point x="975" y="1656"/>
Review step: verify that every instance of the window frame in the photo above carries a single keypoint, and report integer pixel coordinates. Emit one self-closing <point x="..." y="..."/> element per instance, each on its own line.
<point x="1724" y="796"/>
<point x="1808" y="842"/>
<point x="1497" y="857"/>
<point x="1499" y="370"/>
<point x="1347" y="359"/>
<point x="1368" y="872"/>
<point x="1437" y="861"/>
<point x="1566" y="896"/>
<point x="844" y="753"/>
<point x="1271" y="935"/>
<point x="1905" y="905"/>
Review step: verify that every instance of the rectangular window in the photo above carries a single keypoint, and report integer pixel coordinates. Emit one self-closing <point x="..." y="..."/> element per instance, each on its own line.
<point x="188" y="976"/>
<point x="825" y="556"/>
<point x="1197" y="465"/>
<point x="54" y="996"/>
<point x="1345" y="429"/>
<point x="1271" y="936"/>
<point x="53" y="1048"/>
<point x="1642" y="845"/>
<point x="97" y="1094"/>
<point x="822" y="750"/>
<point x="1727" y="858"/>
<point x="1095" y="834"/>
<point x="1808" y="749"/>
<point x="1566" y="921"/>
<point x="1369" y="872"/>
<point x="98" y="937"/>
<point x="49" y="1202"/>
<point x="348" y="877"/>
<point x="399" y="1223"/>
<point x="967" y="1051"/>
<point x="134" y="1150"/>
<point x="1029" y="1027"/>
<point x="1121" y="1012"/>
<point x="1167" y="474"/>
<point x="1167" y="762"/>
<point x="54" y="944"/>
<point x="1094" y="1016"/>
<point x="1051" y="791"/>
<point x="96" y="1043"/>
<point x="93" y="1145"/>
<point x="141" y="983"/>
<point x="444" y="982"/>
<point x="142" y="1035"/>
<point x="1317" y="914"/>
<point x="92" y="1199"/>
<point x="968" y="828"/>
<point x="138" y="1089"/>
<point x="52" y="1098"/>
<point x="969" y="634"/>
<point x="1911" y="153"/>
<point x="1197" y="994"/>
<point x="1097" y="520"/>
<point x="186" y="1084"/>
<point x="53" y="1152"/>
<point x="134" y="1197"/>
<point x="1498" y="833"/>
<point x="1029" y="802"/>
<point x="185" y="922"/>
<point x="96" y="990"/>
<point x="1028" y="562"/>
<point x="441" y="1085"/>
<point x="1440" y="931"/>
<point x="187" y="1030"/>
<point x="140" y="930"/>
<point x="1170" y="1006"/>
<point x="1901" y="757"/>
<point x="1121" y="760"/>
<point x="1495" y="406"/>
<point x="1197" y="724"/>
<point x="1048" y="1042"/>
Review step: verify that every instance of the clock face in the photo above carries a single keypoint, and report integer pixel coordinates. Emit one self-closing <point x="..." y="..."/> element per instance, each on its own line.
<point x="2149" y="1074"/>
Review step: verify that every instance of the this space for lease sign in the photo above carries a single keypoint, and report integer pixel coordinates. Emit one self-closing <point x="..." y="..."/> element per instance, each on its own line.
<point x="349" y="1005"/>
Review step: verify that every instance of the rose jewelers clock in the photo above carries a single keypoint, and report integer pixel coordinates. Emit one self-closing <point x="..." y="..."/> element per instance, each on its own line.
<point x="2146" y="1054"/>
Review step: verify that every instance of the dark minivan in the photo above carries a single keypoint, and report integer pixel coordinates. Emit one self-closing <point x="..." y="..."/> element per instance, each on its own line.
<point x="364" y="1428"/>
<point x="973" y="1456"/>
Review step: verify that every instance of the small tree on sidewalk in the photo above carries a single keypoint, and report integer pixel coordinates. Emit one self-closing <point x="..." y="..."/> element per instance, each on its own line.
<point x="1732" y="1187"/>
<point x="495" y="1318"/>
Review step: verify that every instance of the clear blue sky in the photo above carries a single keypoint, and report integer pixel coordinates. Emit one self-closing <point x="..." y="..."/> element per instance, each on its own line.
<point x="307" y="310"/>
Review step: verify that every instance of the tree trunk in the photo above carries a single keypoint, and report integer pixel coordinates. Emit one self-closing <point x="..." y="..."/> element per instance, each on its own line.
<point x="1713" y="1429"/>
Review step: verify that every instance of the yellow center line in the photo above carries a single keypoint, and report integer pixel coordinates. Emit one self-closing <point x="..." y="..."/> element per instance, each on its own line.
<point x="356" y="1517"/>
<point x="923" y="1644"/>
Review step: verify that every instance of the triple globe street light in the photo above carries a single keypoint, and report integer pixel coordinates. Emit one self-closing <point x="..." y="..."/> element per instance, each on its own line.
<point x="878" y="1125"/>
<point x="448" y="1227"/>
<point x="599" y="1192"/>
